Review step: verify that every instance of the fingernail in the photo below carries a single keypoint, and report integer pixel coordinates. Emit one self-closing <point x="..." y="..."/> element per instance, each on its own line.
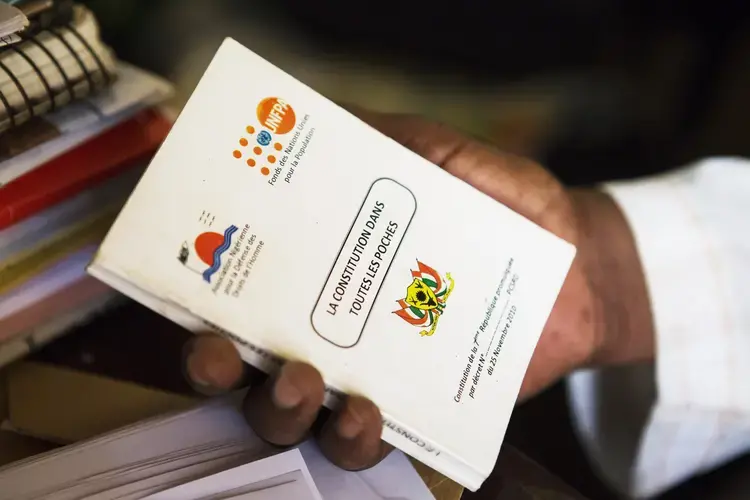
<point x="196" y="371"/>
<point x="214" y="375"/>
<point x="285" y="395"/>
<point x="349" y="425"/>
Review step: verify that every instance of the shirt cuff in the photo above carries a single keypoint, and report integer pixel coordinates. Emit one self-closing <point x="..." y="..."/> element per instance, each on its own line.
<point x="679" y="260"/>
<point x="695" y="418"/>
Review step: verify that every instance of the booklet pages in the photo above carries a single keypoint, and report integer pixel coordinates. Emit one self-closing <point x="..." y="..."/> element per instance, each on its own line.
<point x="278" y="218"/>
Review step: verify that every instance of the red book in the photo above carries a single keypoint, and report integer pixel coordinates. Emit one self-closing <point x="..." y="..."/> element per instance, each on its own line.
<point x="105" y="156"/>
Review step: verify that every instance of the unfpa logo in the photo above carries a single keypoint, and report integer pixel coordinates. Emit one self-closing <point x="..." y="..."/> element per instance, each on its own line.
<point x="276" y="117"/>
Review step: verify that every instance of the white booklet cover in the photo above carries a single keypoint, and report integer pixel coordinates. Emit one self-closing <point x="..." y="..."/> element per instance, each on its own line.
<point x="276" y="217"/>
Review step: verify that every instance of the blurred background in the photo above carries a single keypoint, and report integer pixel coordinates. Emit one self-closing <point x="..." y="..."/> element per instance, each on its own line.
<point x="595" y="90"/>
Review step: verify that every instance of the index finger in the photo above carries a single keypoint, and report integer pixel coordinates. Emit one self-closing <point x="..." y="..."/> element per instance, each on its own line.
<point x="213" y="365"/>
<point x="518" y="183"/>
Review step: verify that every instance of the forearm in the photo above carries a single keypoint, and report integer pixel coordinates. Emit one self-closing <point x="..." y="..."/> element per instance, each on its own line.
<point x="622" y="315"/>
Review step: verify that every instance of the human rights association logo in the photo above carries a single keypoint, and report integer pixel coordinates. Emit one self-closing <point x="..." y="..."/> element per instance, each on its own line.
<point x="203" y="255"/>
<point x="259" y="145"/>
<point x="425" y="299"/>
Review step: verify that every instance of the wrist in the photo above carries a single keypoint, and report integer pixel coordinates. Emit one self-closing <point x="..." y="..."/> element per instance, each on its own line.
<point x="622" y="319"/>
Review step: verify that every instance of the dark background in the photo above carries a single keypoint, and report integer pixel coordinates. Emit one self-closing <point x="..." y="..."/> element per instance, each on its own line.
<point x="642" y="86"/>
<point x="596" y="90"/>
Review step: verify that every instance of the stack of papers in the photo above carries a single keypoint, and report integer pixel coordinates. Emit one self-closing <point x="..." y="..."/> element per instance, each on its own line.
<point x="75" y="124"/>
<point x="284" y="476"/>
<point x="205" y="453"/>
<point x="54" y="68"/>
<point x="77" y="127"/>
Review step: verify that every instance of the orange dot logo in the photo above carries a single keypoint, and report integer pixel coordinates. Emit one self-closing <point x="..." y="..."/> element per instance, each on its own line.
<point x="276" y="115"/>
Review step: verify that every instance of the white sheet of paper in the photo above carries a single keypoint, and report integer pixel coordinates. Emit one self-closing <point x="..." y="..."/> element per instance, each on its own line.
<point x="167" y="451"/>
<point x="154" y="476"/>
<point x="296" y="489"/>
<point x="276" y="477"/>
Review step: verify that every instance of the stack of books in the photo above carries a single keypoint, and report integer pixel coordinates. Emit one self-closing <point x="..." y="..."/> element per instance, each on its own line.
<point x="77" y="128"/>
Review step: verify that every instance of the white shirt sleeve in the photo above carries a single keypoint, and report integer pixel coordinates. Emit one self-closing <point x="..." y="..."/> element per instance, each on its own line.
<point x="648" y="428"/>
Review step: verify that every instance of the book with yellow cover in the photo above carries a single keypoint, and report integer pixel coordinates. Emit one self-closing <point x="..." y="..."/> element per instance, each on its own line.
<point x="279" y="219"/>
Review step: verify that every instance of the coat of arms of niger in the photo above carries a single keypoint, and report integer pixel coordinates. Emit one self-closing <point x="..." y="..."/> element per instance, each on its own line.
<point x="425" y="299"/>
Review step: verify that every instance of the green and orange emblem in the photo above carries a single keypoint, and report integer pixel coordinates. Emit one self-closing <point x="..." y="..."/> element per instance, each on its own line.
<point x="425" y="299"/>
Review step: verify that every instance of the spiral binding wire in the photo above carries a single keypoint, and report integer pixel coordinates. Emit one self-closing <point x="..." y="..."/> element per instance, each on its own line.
<point x="8" y="109"/>
<point x="90" y="50"/>
<point x="76" y="56"/>
<point x="106" y="79"/>
<point x="63" y="74"/>
<point x="42" y="78"/>
<point x="21" y="90"/>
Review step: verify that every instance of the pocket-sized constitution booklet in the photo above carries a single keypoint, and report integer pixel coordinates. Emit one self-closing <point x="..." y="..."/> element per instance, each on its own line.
<point x="280" y="220"/>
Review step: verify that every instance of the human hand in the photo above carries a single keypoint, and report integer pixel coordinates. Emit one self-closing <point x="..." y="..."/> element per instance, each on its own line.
<point x="602" y="315"/>
<point x="601" y="307"/>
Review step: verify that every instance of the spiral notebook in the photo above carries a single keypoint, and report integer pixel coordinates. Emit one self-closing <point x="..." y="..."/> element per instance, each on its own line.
<point x="56" y="66"/>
